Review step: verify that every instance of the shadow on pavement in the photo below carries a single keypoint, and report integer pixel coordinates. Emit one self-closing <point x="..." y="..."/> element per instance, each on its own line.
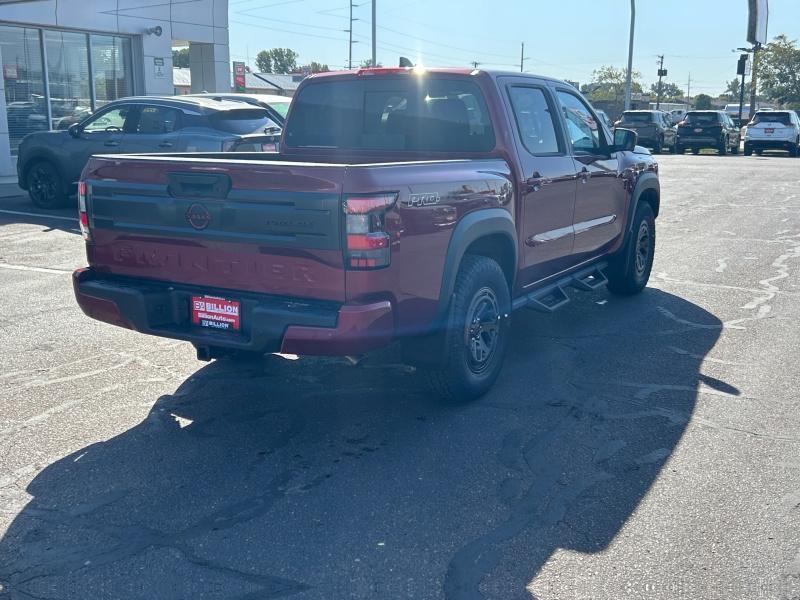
<point x="18" y="209"/>
<point x="317" y="479"/>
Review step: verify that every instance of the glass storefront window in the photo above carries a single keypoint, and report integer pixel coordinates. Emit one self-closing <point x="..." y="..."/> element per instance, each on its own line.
<point x="68" y="75"/>
<point x="23" y="79"/>
<point x="111" y="68"/>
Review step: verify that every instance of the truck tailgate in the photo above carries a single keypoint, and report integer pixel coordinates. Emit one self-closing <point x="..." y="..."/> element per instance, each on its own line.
<point x="269" y="227"/>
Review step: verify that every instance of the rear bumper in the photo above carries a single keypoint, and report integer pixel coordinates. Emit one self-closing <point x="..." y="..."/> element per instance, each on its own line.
<point x="769" y="144"/>
<point x="691" y="141"/>
<point x="268" y="323"/>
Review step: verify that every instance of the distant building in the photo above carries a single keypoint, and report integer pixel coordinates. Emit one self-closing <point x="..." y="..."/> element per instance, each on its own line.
<point x="256" y="83"/>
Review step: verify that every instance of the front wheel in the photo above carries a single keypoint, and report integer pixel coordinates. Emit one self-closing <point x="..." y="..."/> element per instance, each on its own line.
<point x="476" y="332"/>
<point x="630" y="269"/>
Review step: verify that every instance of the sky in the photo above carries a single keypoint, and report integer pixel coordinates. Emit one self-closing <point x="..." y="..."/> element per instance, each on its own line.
<point x="567" y="39"/>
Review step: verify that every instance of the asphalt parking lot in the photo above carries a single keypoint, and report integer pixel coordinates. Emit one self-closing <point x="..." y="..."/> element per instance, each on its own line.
<point x="645" y="447"/>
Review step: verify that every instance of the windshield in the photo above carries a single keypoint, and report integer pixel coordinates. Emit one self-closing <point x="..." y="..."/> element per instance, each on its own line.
<point x="702" y="118"/>
<point x="280" y="107"/>
<point x="406" y="113"/>
<point x="772" y="117"/>
<point x="637" y="117"/>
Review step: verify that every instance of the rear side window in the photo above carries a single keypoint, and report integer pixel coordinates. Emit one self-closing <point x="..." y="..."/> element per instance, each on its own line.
<point x="772" y="117"/>
<point x="534" y="120"/>
<point x="158" y="119"/>
<point x="241" y="122"/>
<point x="406" y="113"/>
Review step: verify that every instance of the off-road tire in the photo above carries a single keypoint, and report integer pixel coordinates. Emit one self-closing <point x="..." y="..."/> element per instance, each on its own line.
<point x="46" y="186"/>
<point x="479" y="312"/>
<point x="630" y="268"/>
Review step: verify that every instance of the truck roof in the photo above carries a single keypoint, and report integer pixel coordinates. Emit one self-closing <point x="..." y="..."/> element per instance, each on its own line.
<point x="381" y="71"/>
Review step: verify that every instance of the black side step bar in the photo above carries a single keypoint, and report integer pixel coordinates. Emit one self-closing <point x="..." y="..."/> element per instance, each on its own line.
<point x="553" y="296"/>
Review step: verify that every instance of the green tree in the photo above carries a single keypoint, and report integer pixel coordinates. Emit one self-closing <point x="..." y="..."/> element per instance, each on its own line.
<point x="608" y="84"/>
<point x="703" y="102"/>
<point x="277" y="60"/>
<point x="314" y="67"/>
<point x="669" y="91"/>
<point x="367" y="64"/>
<point x="180" y="57"/>
<point x="779" y="70"/>
<point x="732" y="92"/>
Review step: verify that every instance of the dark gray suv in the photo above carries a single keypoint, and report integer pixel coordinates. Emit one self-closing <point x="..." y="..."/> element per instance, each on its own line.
<point x="50" y="162"/>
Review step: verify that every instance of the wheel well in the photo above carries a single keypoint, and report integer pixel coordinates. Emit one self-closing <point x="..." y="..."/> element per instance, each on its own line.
<point x="499" y="248"/>
<point x="651" y="197"/>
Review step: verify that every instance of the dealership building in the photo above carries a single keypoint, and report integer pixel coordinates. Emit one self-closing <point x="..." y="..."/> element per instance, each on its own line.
<point x="65" y="58"/>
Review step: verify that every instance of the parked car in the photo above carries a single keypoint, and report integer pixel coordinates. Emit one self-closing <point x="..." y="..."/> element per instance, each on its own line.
<point x="708" y="129"/>
<point x="414" y="206"/>
<point x="278" y="106"/>
<point x="50" y="162"/>
<point x="773" y="130"/>
<point x="654" y="128"/>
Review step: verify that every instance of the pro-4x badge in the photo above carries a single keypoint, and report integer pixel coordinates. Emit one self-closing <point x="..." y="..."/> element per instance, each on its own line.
<point x="422" y="199"/>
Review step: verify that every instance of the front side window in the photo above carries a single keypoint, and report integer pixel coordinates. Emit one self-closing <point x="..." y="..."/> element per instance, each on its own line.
<point x="112" y="120"/>
<point x="158" y="119"/>
<point x="404" y="113"/>
<point x="582" y="129"/>
<point x="534" y="120"/>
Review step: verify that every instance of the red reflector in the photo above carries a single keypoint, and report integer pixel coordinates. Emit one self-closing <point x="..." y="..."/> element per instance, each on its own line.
<point x="84" y="219"/>
<point x="81" y="188"/>
<point x="370" y="241"/>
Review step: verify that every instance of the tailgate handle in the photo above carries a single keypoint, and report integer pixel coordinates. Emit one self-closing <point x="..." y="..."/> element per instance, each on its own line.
<point x="199" y="185"/>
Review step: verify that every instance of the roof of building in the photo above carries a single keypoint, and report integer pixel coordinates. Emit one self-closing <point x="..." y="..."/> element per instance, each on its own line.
<point x="269" y="82"/>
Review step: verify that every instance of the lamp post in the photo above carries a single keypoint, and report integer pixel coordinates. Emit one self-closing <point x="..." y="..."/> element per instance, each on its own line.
<point x="630" y="58"/>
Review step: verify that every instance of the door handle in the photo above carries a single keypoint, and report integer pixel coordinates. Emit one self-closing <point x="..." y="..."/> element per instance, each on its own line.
<point x="584" y="175"/>
<point x="111" y="143"/>
<point x="535" y="182"/>
<point x="165" y="145"/>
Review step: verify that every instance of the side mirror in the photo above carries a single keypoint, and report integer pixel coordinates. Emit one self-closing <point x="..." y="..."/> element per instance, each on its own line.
<point x="625" y="140"/>
<point x="75" y="130"/>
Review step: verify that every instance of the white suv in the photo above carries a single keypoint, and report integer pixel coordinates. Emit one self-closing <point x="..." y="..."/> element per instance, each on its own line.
<point x="773" y="130"/>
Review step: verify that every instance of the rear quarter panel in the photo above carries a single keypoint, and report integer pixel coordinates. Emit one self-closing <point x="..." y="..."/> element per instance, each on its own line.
<point x="432" y="198"/>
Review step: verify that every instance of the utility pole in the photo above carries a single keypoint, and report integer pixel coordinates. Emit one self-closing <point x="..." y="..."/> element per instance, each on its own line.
<point x="522" y="58"/>
<point x="754" y="80"/>
<point x="661" y="73"/>
<point x="741" y="69"/>
<point x="630" y="58"/>
<point x="350" y="32"/>
<point x="374" y="46"/>
<point x="475" y="64"/>
<point x="689" y="90"/>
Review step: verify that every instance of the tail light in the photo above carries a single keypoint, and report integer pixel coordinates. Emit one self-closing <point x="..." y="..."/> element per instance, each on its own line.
<point x="83" y="215"/>
<point x="368" y="245"/>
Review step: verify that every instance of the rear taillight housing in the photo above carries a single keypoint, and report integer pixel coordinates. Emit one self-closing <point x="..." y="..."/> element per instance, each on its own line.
<point x="83" y="215"/>
<point x="367" y="243"/>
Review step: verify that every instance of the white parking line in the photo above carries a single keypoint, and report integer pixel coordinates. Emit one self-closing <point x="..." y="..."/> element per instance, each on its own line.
<point x="29" y="214"/>
<point x="34" y="269"/>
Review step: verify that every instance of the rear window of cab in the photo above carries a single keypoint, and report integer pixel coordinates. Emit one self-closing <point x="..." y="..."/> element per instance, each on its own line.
<point x="772" y="117"/>
<point x="645" y="117"/>
<point x="405" y="113"/>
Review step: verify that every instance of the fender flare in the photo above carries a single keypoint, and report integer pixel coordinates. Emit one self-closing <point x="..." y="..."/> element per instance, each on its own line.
<point x="472" y="227"/>
<point x="647" y="181"/>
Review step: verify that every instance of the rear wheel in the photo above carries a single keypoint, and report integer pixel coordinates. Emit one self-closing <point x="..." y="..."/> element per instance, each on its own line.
<point x="795" y="150"/>
<point x="679" y="149"/>
<point x="723" y="147"/>
<point x="695" y="151"/>
<point x="46" y="187"/>
<point x="748" y="151"/>
<point x="630" y="268"/>
<point x="476" y="333"/>
<point x="659" y="146"/>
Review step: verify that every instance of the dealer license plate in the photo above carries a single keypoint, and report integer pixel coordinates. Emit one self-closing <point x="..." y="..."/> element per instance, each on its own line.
<point x="216" y="313"/>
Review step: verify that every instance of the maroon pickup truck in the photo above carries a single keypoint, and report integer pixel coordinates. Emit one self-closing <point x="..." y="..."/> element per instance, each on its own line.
<point x="404" y="205"/>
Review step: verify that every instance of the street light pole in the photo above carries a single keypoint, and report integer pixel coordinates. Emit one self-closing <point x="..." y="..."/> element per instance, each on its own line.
<point x="630" y="58"/>
<point x="754" y="79"/>
<point x="374" y="46"/>
<point x="350" y="44"/>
